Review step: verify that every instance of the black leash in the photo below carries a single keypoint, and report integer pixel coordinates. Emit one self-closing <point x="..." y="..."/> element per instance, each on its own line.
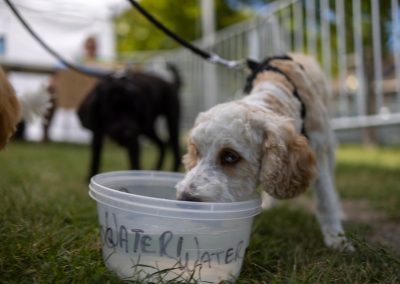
<point x="211" y="57"/>
<point x="81" y="69"/>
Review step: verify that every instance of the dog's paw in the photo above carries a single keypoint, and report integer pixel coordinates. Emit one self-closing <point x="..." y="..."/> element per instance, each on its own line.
<point x="268" y="201"/>
<point x="338" y="242"/>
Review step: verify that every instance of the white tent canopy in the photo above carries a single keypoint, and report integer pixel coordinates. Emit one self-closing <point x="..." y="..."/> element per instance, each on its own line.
<point x="64" y="25"/>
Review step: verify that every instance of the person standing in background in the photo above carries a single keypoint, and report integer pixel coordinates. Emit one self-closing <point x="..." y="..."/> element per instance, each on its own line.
<point x="89" y="58"/>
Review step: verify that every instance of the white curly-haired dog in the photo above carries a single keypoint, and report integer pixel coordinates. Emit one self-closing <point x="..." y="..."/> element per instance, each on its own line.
<point x="277" y="137"/>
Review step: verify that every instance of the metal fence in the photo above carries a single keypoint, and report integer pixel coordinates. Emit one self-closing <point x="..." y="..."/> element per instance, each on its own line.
<point x="357" y="43"/>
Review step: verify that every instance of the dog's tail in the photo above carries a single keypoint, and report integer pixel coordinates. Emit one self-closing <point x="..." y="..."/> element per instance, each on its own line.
<point x="176" y="76"/>
<point x="35" y="104"/>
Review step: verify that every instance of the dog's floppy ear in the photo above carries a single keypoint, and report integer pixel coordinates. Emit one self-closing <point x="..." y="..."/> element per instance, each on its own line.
<point x="189" y="160"/>
<point x="288" y="163"/>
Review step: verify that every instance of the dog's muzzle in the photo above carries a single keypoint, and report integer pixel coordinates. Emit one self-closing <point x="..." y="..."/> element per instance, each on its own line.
<point x="188" y="197"/>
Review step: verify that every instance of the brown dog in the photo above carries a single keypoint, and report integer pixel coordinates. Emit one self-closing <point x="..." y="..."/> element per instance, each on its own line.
<point x="9" y="110"/>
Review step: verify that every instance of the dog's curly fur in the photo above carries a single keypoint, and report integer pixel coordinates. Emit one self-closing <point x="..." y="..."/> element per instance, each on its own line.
<point x="9" y="110"/>
<point x="259" y="140"/>
<point x="125" y="108"/>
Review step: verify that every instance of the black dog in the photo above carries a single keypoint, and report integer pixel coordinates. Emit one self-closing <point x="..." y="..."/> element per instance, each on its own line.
<point x="126" y="107"/>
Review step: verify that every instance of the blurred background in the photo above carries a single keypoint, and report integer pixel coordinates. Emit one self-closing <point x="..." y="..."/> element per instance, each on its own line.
<point x="48" y="223"/>
<point x="357" y="42"/>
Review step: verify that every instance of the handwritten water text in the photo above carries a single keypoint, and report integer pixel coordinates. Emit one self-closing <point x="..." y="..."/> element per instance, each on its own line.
<point x="187" y="250"/>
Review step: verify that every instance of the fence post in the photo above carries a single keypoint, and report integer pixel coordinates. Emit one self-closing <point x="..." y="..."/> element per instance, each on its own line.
<point x="254" y="44"/>
<point x="376" y="41"/>
<point x="278" y="44"/>
<point x="311" y="27"/>
<point x="210" y="71"/>
<point x="326" y="40"/>
<point x="359" y="53"/>
<point x="396" y="47"/>
<point x="342" y="58"/>
<point x="298" y="18"/>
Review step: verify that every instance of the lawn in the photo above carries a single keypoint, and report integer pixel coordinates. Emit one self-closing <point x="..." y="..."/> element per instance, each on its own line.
<point x="49" y="233"/>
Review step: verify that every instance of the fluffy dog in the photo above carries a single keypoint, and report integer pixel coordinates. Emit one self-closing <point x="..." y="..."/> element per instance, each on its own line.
<point x="125" y="108"/>
<point x="9" y="110"/>
<point x="13" y="109"/>
<point x="277" y="137"/>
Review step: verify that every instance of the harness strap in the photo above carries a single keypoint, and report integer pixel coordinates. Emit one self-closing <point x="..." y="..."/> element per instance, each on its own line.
<point x="303" y="111"/>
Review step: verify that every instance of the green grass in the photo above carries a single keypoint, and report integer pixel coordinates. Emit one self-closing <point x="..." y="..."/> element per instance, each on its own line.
<point x="372" y="174"/>
<point x="49" y="233"/>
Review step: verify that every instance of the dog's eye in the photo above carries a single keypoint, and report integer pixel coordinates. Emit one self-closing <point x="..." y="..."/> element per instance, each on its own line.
<point x="229" y="157"/>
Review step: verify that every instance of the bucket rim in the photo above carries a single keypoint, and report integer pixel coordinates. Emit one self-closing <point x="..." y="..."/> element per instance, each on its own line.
<point x="107" y="195"/>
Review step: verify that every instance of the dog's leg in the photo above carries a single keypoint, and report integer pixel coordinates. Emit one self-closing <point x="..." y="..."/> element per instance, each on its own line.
<point x="174" y="142"/>
<point x="161" y="148"/>
<point x="328" y="206"/>
<point x="173" y="129"/>
<point x="97" y="146"/>
<point x="267" y="201"/>
<point x="134" y="151"/>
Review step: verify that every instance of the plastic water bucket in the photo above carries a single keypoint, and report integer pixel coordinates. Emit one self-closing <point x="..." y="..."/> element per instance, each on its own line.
<point x="149" y="236"/>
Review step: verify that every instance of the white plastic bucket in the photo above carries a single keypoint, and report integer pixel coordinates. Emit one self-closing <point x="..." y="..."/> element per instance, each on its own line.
<point x="149" y="236"/>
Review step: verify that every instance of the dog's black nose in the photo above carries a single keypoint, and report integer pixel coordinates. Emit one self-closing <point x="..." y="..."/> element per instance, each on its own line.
<point x="188" y="197"/>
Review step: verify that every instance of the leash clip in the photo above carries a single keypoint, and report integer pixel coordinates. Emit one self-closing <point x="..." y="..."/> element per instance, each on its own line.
<point x="232" y="64"/>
